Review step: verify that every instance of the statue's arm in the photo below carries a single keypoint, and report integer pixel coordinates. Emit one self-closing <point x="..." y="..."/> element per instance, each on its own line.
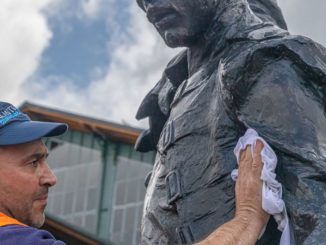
<point x="250" y="218"/>
<point x="286" y="107"/>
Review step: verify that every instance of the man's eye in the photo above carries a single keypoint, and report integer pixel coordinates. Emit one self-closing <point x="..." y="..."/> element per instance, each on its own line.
<point x="34" y="163"/>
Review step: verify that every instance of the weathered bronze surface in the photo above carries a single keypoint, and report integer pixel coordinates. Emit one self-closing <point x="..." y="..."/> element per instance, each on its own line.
<point x="240" y="69"/>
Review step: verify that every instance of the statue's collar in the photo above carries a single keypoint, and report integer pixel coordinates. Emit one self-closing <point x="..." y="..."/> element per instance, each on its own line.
<point x="177" y="69"/>
<point x="174" y="74"/>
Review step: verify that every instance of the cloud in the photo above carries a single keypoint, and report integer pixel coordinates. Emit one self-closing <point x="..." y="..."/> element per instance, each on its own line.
<point x="91" y="7"/>
<point x="64" y="12"/>
<point x="64" y="95"/>
<point x="136" y="66"/>
<point x="138" y="58"/>
<point x="24" y="34"/>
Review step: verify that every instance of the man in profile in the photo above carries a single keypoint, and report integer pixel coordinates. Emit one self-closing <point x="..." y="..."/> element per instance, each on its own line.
<point x="25" y="177"/>
<point x="240" y="70"/>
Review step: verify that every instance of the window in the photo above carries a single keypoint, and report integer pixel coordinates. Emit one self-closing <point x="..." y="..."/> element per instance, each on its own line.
<point x="75" y="198"/>
<point x="85" y="162"/>
<point x="128" y="199"/>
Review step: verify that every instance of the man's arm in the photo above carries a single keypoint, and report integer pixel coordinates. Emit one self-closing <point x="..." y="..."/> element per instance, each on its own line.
<point x="250" y="218"/>
<point x="285" y="105"/>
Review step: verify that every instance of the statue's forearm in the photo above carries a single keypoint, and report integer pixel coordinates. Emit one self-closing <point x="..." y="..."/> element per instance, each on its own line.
<point x="238" y="231"/>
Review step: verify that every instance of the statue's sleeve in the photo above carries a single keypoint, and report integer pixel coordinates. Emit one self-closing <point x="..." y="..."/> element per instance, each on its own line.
<point x="286" y="106"/>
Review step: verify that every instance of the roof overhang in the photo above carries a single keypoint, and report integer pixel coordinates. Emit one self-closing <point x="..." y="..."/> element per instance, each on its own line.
<point x="113" y="131"/>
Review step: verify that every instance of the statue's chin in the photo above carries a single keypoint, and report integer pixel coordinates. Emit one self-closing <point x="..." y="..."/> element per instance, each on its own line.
<point x="172" y="41"/>
<point x="176" y="40"/>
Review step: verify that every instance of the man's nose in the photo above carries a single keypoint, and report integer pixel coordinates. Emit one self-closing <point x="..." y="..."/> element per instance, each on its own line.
<point x="48" y="178"/>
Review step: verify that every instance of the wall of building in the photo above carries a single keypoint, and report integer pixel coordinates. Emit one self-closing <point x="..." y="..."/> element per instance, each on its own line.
<point x="100" y="185"/>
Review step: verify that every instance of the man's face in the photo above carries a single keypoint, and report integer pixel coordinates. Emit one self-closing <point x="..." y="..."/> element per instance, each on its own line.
<point x="181" y="23"/>
<point x="25" y="178"/>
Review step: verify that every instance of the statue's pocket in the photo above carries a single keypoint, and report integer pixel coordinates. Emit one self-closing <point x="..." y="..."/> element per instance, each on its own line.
<point x="174" y="130"/>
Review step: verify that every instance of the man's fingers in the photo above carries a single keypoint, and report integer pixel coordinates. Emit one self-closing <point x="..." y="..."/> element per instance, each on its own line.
<point x="242" y="155"/>
<point x="257" y="161"/>
<point x="253" y="163"/>
<point x="245" y="160"/>
<point x="248" y="153"/>
<point x="258" y="147"/>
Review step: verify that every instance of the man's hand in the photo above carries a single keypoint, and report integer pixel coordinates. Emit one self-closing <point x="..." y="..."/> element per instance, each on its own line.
<point x="250" y="218"/>
<point x="248" y="189"/>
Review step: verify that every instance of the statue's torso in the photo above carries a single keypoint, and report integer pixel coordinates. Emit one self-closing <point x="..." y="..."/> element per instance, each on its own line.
<point x="194" y="161"/>
<point x="190" y="192"/>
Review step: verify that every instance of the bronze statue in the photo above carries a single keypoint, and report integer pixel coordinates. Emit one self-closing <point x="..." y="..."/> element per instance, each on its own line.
<point x="240" y="69"/>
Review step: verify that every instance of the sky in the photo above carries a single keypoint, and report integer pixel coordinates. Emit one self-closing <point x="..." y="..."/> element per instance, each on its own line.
<point x="98" y="58"/>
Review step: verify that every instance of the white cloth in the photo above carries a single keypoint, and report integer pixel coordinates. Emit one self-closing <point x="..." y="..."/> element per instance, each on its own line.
<point x="272" y="201"/>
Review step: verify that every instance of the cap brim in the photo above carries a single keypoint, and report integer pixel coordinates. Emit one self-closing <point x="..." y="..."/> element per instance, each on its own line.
<point x="23" y="132"/>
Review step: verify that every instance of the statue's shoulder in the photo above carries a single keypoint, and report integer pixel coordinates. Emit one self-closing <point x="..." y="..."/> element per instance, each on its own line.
<point x="302" y="51"/>
<point x="306" y="54"/>
<point x="242" y="68"/>
<point x="294" y="47"/>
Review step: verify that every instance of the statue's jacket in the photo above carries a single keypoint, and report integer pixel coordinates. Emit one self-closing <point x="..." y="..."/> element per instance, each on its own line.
<point x="262" y="78"/>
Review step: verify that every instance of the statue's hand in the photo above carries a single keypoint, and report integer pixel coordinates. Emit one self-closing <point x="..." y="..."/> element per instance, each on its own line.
<point x="249" y="190"/>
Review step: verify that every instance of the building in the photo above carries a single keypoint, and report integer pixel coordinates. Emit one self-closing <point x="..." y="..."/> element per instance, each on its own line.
<point x="99" y="195"/>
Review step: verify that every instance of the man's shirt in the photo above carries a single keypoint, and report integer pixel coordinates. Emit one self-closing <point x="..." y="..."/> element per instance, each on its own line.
<point x="13" y="232"/>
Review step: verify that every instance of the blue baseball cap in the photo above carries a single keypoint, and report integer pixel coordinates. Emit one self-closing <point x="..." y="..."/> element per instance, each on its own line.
<point x="17" y="128"/>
